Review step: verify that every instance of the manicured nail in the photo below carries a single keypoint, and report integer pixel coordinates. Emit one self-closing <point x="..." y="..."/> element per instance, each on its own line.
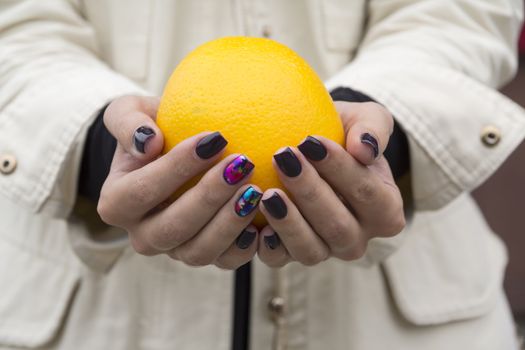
<point x="288" y="162"/>
<point x="141" y="136"/>
<point x="245" y="239"/>
<point x="237" y="170"/>
<point x="272" y="241"/>
<point x="312" y="148"/>
<point x="248" y="201"/>
<point x="275" y="206"/>
<point x="371" y="141"/>
<point x="210" y="145"/>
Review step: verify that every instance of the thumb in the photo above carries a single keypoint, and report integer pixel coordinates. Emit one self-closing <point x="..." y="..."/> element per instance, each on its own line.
<point x="131" y="120"/>
<point x="368" y="127"/>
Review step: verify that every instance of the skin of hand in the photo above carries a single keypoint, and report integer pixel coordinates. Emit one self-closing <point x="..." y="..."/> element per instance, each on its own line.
<point x="209" y="223"/>
<point x="342" y="197"/>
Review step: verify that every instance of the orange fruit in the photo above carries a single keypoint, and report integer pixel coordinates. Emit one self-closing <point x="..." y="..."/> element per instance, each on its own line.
<point x="257" y="92"/>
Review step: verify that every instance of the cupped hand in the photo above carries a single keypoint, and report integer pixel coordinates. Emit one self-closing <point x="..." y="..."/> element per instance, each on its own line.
<point x="341" y="197"/>
<point x="209" y="223"/>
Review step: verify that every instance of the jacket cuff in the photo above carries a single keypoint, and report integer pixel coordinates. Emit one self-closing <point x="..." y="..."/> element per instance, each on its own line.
<point x="443" y="113"/>
<point x="63" y="105"/>
<point x="397" y="151"/>
<point x="97" y="156"/>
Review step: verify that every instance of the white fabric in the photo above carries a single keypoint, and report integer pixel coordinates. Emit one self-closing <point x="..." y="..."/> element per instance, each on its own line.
<point x="433" y="63"/>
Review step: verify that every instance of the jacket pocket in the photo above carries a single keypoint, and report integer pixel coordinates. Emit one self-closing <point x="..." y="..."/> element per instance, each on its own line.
<point x="35" y="292"/>
<point x="343" y="22"/>
<point x="450" y="267"/>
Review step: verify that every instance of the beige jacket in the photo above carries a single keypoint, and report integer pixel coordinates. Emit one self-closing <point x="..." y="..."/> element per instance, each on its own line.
<point x="69" y="282"/>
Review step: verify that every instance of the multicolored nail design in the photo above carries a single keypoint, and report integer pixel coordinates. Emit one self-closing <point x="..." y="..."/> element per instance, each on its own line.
<point x="248" y="201"/>
<point x="237" y="170"/>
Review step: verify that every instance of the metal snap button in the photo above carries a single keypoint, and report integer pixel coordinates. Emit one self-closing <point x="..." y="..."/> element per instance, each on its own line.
<point x="490" y="136"/>
<point x="7" y="163"/>
<point x="276" y="306"/>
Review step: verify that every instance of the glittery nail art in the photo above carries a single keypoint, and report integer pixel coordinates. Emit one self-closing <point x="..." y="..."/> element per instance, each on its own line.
<point x="247" y="202"/>
<point x="237" y="170"/>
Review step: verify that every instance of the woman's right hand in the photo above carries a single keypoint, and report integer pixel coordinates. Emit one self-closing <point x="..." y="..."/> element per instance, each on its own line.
<point x="209" y="223"/>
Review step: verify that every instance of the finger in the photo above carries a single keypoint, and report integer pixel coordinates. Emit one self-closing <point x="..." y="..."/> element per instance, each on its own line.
<point x="129" y="197"/>
<point x="368" y="127"/>
<point x="182" y="219"/>
<point x="131" y="120"/>
<point x="318" y="204"/>
<point x="302" y="243"/>
<point x="372" y="195"/>
<point x="241" y="251"/>
<point x="221" y="231"/>
<point x="270" y="250"/>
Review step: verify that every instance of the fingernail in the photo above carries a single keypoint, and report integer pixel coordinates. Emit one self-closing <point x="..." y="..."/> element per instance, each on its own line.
<point x="245" y="239"/>
<point x="371" y="141"/>
<point x="272" y="241"/>
<point x="275" y="206"/>
<point x="237" y="170"/>
<point x="141" y="136"/>
<point x="248" y="201"/>
<point x="210" y="145"/>
<point x="288" y="162"/>
<point x="312" y="148"/>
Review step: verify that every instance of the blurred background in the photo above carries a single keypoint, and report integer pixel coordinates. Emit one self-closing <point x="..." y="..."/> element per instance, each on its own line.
<point x="501" y="199"/>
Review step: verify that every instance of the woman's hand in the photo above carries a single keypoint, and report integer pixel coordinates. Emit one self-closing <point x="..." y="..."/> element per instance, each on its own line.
<point x="209" y="223"/>
<point x="341" y="197"/>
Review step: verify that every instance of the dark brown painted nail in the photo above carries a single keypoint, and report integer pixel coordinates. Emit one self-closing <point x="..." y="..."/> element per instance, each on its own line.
<point x="288" y="162"/>
<point x="312" y="148"/>
<point x="275" y="206"/>
<point x="210" y="145"/>
<point x="371" y="142"/>
<point x="141" y="137"/>
<point x="245" y="239"/>
<point x="272" y="242"/>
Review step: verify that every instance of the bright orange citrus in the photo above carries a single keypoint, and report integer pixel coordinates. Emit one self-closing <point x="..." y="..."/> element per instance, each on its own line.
<point x="257" y="92"/>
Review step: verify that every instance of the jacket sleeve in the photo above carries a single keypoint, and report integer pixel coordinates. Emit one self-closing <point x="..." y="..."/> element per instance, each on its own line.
<point x="53" y="84"/>
<point x="435" y="64"/>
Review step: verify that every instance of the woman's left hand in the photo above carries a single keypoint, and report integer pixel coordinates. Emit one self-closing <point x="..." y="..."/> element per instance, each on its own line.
<point x="341" y="197"/>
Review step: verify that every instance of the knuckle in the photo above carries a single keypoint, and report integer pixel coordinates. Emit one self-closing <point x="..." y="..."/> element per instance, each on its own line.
<point x="313" y="257"/>
<point x="182" y="169"/>
<point x="106" y="211"/>
<point x="338" y="231"/>
<point x="309" y="193"/>
<point x="337" y="166"/>
<point x="276" y="263"/>
<point x="394" y="225"/>
<point x="365" y="191"/>
<point x="276" y="260"/>
<point x="210" y="196"/>
<point x="195" y="258"/>
<point x="229" y="264"/>
<point x="168" y="236"/>
<point x="142" y="191"/>
<point x="140" y="246"/>
<point x="356" y="252"/>
<point x="399" y="224"/>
